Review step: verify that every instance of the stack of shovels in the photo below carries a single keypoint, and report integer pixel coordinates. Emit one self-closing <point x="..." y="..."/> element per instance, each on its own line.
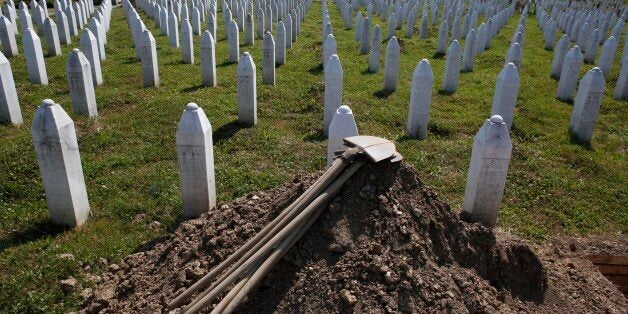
<point x="245" y="269"/>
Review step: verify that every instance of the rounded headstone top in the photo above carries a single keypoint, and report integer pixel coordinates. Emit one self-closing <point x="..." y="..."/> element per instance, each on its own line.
<point x="496" y="119"/>
<point x="47" y="103"/>
<point x="510" y="65"/>
<point x="191" y="107"/>
<point x="596" y="69"/>
<point x="246" y="54"/>
<point x="75" y="50"/>
<point x="344" y="109"/>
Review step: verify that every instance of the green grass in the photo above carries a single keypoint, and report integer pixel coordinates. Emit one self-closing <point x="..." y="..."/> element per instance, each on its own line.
<point x="130" y="162"/>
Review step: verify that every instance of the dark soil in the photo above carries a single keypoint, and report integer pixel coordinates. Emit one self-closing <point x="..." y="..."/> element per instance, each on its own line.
<point x="385" y="244"/>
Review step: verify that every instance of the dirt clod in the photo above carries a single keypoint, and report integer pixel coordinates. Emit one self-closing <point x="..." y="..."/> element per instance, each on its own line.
<point x="386" y="244"/>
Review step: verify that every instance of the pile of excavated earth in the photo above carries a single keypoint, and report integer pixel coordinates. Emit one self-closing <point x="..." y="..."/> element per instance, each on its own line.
<point x="384" y="244"/>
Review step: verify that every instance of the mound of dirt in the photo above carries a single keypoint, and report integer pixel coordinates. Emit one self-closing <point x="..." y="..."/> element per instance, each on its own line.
<point x="385" y="244"/>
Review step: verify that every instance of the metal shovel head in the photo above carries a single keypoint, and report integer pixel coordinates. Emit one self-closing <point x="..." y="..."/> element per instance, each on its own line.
<point x="376" y="148"/>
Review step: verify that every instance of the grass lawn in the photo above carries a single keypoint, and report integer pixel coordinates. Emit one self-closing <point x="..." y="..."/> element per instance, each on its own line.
<point x="130" y="162"/>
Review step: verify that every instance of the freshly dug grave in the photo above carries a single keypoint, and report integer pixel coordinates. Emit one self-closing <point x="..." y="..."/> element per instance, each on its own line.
<point x="385" y="244"/>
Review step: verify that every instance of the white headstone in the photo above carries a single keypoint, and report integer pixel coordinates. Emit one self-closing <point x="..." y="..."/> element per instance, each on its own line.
<point x="260" y="23"/>
<point x="234" y="41"/>
<point x="559" y="56"/>
<point x="208" y="59"/>
<point x="514" y="56"/>
<point x="469" y="52"/>
<point x="452" y="67"/>
<point x="605" y="61"/>
<point x="391" y="67"/>
<point x="247" y="91"/>
<point x="333" y="91"/>
<point x="53" y="48"/>
<point x="97" y="30"/>
<point x="60" y="164"/>
<point x="569" y="74"/>
<point x="424" y="26"/>
<point x="63" y="28"/>
<point x="486" y="178"/>
<point x="211" y="24"/>
<point x="376" y="42"/>
<point x="34" y="58"/>
<point x="621" y="89"/>
<point x="163" y="22"/>
<point x="358" y="26"/>
<point x="592" y="45"/>
<point x="482" y="34"/>
<point x="72" y="21"/>
<point x="89" y="47"/>
<point x="268" y="59"/>
<point x="148" y="51"/>
<point x="196" y="21"/>
<point x="288" y="25"/>
<point x="392" y="25"/>
<point x="81" y="85"/>
<point x="420" y="99"/>
<point x="342" y="125"/>
<point x="443" y="34"/>
<point x="587" y="105"/>
<point x="249" y="31"/>
<point x="506" y="91"/>
<point x="25" y="19"/>
<point x="187" y="44"/>
<point x="173" y="29"/>
<point x="196" y="162"/>
<point x="329" y="48"/>
<point x="9" y="105"/>
<point x="280" y="44"/>
<point x="7" y="38"/>
<point x="365" y="37"/>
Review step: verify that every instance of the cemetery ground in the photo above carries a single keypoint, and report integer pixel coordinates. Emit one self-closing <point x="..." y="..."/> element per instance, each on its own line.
<point x="555" y="186"/>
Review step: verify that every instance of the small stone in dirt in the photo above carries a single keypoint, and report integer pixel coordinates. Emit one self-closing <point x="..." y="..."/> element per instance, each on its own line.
<point x="154" y="226"/>
<point x="103" y="261"/>
<point x="348" y="297"/>
<point x="87" y="294"/>
<point x="69" y="284"/>
<point x="382" y="199"/>
<point x="114" y="267"/>
<point x="336" y="248"/>
<point x="106" y="294"/>
<point x="66" y="256"/>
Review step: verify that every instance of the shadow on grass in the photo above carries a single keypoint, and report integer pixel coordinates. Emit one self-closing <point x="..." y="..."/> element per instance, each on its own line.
<point x="565" y="101"/>
<point x="224" y="64"/>
<point x="315" y="137"/>
<point x="316" y="70"/>
<point x="176" y="62"/>
<point x="367" y="72"/>
<point x="130" y="60"/>
<point x="383" y="94"/>
<point x="405" y="138"/>
<point x="446" y="93"/>
<point x="226" y="131"/>
<point x="574" y="139"/>
<point x="438" y="55"/>
<point x="41" y="229"/>
<point x="192" y="88"/>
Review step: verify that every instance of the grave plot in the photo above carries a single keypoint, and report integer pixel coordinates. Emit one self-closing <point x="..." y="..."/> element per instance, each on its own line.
<point x="122" y="125"/>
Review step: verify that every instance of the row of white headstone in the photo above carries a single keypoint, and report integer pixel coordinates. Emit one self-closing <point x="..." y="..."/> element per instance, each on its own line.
<point x="59" y="160"/>
<point x="274" y="49"/>
<point x="93" y="52"/>
<point x="587" y="38"/>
